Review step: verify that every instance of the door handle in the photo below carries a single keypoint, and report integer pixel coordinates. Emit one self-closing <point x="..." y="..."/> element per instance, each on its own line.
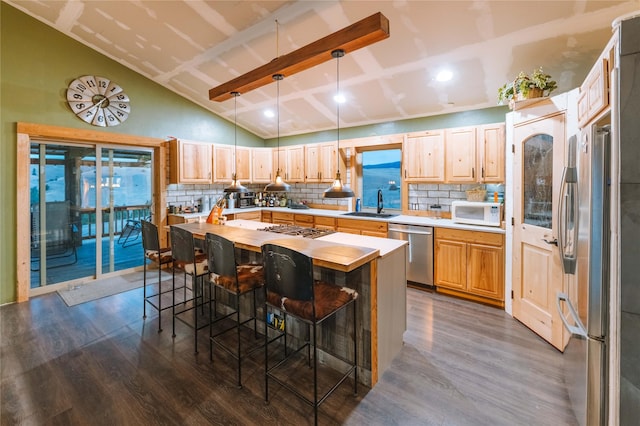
<point x="577" y="329"/>
<point x="552" y="242"/>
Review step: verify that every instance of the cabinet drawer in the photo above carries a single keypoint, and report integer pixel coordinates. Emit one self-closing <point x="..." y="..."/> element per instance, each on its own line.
<point x="305" y="220"/>
<point x="249" y="216"/>
<point x="282" y="217"/>
<point x="325" y="221"/>
<point x="470" y="236"/>
<point x="363" y="225"/>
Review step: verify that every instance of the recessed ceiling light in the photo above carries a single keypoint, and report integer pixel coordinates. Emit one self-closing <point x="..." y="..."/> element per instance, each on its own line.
<point x="269" y="113"/>
<point x="339" y="98"/>
<point x="444" y="75"/>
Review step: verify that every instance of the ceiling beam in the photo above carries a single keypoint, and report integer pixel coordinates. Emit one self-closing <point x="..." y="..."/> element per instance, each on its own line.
<point x="360" y="34"/>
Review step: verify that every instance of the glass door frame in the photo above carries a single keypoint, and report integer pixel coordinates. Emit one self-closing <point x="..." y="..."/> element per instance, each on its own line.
<point x="26" y="133"/>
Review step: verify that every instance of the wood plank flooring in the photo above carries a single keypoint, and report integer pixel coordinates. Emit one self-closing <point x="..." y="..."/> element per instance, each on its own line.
<point x="100" y="363"/>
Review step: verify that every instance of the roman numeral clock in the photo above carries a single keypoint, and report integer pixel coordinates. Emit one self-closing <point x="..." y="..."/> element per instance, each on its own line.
<point x="98" y="101"/>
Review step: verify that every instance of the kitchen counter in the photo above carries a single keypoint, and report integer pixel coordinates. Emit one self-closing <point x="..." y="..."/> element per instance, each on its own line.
<point x="403" y="219"/>
<point x="374" y="267"/>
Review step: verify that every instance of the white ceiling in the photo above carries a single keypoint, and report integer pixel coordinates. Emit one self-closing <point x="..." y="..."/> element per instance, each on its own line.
<point x="192" y="46"/>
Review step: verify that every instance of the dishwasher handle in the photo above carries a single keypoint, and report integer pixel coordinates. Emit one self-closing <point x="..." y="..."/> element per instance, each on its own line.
<point x="406" y="231"/>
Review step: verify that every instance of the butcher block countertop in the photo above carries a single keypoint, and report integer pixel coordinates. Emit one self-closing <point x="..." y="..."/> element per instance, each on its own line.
<point x="324" y="251"/>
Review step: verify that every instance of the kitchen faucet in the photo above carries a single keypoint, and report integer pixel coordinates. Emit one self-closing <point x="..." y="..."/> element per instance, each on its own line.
<point x="380" y="204"/>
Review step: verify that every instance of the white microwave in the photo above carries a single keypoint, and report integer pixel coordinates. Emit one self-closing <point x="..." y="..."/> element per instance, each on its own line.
<point x="476" y="213"/>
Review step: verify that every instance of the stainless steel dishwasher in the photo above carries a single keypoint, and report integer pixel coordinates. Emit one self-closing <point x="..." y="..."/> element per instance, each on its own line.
<point x="419" y="253"/>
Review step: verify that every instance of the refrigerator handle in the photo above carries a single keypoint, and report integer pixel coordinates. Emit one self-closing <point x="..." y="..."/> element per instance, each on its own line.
<point x="577" y="329"/>
<point x="569" y="177"/>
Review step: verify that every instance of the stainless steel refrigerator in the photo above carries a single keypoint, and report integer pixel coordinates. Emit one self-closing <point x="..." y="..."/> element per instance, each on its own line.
<point x="599" y="234"/>
<point x="584" y="243"/>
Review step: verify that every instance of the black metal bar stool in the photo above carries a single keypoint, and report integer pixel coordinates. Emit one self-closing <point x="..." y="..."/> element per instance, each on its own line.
<point x="193" y="262"/>
<point x="236" y="280"/>
<point x="160" y="256"/>
<point x="291" y="289"/>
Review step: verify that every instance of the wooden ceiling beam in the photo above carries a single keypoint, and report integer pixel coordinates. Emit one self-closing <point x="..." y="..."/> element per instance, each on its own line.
<point x="360" y="34"/>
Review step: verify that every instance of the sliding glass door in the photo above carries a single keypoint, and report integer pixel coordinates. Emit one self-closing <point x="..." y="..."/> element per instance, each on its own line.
<point x="85" y="219"/>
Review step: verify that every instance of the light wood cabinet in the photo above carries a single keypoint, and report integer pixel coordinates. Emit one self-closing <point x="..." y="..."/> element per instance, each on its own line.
<point x="594" y="92"/>
<point x="305" y="220"/>
<point x="460" y="155"/>
<point x="290" y="161"/>
<point x="470" y="264"/>
<point x="261" y="165"/>
<point x="242" y="163"/>
<point x="490" y="153"/>
<point x="190" y="161"/>
<point x="254" y="215"/>
<point x="324" y="222"/>
<point x="423" y="156"/>
<point x="266" y="216"/>
<point x="320" y="162"/>
<point x="222" y="163"/>
<point x="282" y="218"/>
<point x="371" y="228"/>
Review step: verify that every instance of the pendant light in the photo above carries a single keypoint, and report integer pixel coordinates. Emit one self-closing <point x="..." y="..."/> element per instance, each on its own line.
<point x="235" y="186"/>
<point x="279" y="185"/>
<point x="337" y="189"/>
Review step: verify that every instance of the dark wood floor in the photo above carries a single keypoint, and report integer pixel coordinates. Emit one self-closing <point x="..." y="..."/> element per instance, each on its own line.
<point x="99" y="363"/>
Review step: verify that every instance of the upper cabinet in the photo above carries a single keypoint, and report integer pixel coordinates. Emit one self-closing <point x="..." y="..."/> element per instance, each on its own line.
<point x="320" y="162"/>
<point x="290" y="161"/>
<point x="423" y="156"/>
<point x="190" y="161"/>
<point x="490" y="153"/>
<point x="225" y="163"/>
<point x="460" y="155"/>
<point x="261" y="165"/>
<point x="594" y="92"/>
<point x="222" y="163"/>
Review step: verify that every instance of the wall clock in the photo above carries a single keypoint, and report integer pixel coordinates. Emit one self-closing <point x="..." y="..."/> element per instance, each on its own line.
<point x="98" y="101"/>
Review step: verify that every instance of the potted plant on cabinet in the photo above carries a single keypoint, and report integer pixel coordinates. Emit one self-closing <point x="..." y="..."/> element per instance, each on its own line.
<point x="536" y="85"/>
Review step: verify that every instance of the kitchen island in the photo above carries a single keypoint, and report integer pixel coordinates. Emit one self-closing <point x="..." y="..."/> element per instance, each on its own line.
<point x="375" y="267"/>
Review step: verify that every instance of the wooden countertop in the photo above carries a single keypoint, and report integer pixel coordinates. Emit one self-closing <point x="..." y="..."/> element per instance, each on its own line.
<point x="326" y="254"/>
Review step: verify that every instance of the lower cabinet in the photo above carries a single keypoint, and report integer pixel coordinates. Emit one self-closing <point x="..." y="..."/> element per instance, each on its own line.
<point x="371" y="228"/>
<point x="282" y="218"/>
<point x="305" y="220"/>
<point x="470" y="264"/>
<point x="255" y="215"/>
<point x="324" y="222"/>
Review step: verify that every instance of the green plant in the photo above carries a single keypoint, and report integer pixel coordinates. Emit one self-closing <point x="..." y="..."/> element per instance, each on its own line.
<point x="524" y="84"/>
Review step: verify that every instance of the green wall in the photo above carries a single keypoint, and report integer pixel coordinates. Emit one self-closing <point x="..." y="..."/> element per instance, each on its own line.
<point x="37" y="63"/>
<point x="444" y="121"/>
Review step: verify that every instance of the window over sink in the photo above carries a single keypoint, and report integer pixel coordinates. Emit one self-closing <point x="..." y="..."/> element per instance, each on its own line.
<point x="381" y="170"/>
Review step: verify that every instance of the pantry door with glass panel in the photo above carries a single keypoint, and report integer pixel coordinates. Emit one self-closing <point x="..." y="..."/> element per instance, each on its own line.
<point x="85" y="219"/>
<point x="539" y="152"/>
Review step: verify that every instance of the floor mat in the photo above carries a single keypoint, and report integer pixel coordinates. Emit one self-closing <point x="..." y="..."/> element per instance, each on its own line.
<point x="106" y="287"/>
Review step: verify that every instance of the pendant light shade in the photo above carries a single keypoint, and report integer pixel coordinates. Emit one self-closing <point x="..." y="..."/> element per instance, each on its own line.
<point x="279" y="185"/>
<point x="337" y="189"/>
<point x="235" y="186"/>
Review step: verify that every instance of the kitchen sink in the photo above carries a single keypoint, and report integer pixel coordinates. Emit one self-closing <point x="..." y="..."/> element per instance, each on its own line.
<point x="370" y="214"/>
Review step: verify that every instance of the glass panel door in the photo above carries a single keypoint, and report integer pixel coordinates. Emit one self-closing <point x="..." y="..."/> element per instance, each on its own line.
<point x="126" y="200"/>
<point x="59" y="251"/>
<point x="538" y="180"/>
<point x="74" y="204"/>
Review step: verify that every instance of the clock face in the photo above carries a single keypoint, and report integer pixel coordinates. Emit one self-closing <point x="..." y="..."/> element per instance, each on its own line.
<point x="98" y="101"/>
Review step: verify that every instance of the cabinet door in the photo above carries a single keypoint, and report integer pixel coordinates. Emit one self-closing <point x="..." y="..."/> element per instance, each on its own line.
<point x="242" y="164"/>
<point x="486" y="271"/>
<point x="295" y="164"/>
<point x="262" y="159"/>
<point x="312" y="163"/>
<point x="223" y="163"/>
<point x="423" y="156"/>
<point x="491" y="143"/>
<point x="280" y="163"/>
<point x="190" y="162"/>
<point x="460" y="155"/>
<point x="328" y="161"/>
<point x="451" y="264"/>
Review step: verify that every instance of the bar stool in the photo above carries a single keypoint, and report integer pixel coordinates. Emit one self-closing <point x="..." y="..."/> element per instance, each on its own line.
<point x="291" y="289"/>
<point x="160" y="256"/>
<point x="237" y="280"/>
<point x="190" y="260"/>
